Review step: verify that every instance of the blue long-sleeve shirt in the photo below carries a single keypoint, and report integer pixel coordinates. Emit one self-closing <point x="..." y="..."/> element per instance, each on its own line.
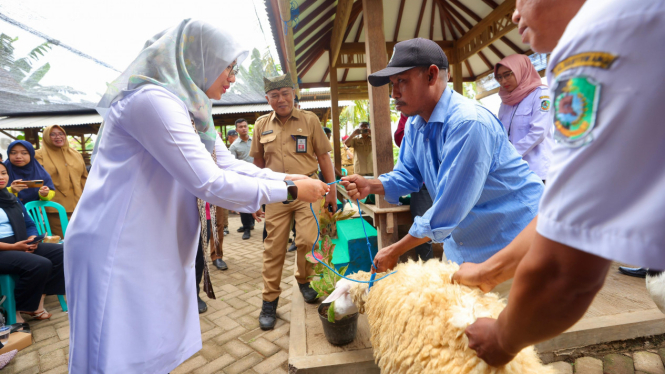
<point x="483" y="192"/>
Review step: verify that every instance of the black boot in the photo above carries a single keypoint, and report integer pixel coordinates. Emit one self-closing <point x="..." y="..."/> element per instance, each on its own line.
<point x="268" y="316"/>
<point x="308" y="293"/>
<point x="246" y="235"/>
<point x="633" y="272"/>
<point x="203" y="307"/>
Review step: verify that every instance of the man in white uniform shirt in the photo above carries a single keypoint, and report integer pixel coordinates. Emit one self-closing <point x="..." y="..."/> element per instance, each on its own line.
<point x="605" y="195"/>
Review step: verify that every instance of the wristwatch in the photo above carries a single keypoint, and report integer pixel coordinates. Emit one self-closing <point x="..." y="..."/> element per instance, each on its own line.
<point x="291" y="191"/>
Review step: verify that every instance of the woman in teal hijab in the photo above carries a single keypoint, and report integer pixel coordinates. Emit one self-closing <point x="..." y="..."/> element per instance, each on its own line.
<point x="132" y="241"/>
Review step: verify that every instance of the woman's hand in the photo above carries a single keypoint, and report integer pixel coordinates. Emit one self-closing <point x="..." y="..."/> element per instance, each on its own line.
<point x="295" y="177"/>
<point x="44" y="191"/>
<point x="311" y="190"/>
<point x="17" y="186"/>
<point x="23" y="245"/>
<point x="258" y="215"/>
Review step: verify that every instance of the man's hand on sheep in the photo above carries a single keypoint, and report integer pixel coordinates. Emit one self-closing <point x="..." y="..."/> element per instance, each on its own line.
<point x="386" y="259"/>
<point x="357" y="186"/>
<point x="484" y="339"/>
<point x="473" y="275"/>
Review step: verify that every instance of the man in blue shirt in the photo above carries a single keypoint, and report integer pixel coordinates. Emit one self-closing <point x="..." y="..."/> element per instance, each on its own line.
<point x="484" y="193"/>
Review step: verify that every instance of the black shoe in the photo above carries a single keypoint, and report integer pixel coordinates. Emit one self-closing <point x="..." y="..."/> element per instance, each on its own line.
<point x="292" y="247"/>
<point x="308" y="293"/>
<point x="241" y="229"/>
<point x="226" y="230"/>
<point x="220" y="264"/>
<point x="245" y="236"/>
<point x="268" y="316"/>
<point x="633" y="272"/>
<point x="202" y="305"/>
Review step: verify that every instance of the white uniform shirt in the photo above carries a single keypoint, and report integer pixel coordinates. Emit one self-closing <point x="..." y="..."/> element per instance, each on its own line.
<point x="605" y="192"/>
<point x="131" y="243"/>
<point x="529" y="128"/>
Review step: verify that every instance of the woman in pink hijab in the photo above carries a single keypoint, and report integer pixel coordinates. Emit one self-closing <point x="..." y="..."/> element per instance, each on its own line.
<point x="525" y="110"/>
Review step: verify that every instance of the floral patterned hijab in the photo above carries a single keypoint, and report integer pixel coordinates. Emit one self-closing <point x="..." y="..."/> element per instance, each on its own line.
<point x="186" y="60"/>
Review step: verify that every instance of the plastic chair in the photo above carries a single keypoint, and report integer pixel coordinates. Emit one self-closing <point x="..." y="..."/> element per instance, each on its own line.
<point x="7" y="284"/>
<point x="37" y="211"/>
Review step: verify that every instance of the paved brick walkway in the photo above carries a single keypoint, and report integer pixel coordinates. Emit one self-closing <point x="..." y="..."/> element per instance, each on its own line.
<point x="232" y="340"/>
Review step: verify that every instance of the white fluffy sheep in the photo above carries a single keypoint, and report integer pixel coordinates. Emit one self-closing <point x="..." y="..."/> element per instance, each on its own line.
<point x="656" y="288"/>
<point x="417" y="319"/>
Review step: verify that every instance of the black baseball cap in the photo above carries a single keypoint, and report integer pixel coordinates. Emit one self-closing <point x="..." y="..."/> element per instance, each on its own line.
<point x="408" y="55"/>
<point x="231" y="133"/>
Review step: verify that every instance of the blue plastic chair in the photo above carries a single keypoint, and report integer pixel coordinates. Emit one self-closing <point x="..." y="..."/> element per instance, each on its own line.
<point x="37" y="211"/>
<point x="7" y="283"/>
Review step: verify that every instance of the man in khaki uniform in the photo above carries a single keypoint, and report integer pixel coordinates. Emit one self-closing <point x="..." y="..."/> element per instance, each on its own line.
<point x="289" y="140"/>
<point x="363" y="162"/>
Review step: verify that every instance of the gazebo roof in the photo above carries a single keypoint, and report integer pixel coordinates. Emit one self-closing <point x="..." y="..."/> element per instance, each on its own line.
<point x="475" y="33"/>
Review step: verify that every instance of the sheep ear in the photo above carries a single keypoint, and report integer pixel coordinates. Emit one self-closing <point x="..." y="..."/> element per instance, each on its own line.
<point x="341" y="288"/>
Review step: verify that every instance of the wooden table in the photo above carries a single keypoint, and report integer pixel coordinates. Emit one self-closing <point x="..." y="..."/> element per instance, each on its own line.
<point x="385" y="219"/>
<point x="310" y="352"/>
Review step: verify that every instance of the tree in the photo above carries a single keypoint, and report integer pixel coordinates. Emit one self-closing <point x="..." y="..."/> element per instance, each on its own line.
<point x="250" y="80"/>
<point x="22" y="72"/>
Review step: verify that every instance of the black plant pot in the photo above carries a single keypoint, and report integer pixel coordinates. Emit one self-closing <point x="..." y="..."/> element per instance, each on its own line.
<point x="342" y="331"/>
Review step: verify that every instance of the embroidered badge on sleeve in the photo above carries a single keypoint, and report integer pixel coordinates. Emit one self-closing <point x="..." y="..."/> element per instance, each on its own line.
<point x="575" y="104"/>
<point x="601" y="60"/>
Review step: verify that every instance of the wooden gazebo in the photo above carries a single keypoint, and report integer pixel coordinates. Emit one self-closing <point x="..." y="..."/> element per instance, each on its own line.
<point x="323" y="44"/>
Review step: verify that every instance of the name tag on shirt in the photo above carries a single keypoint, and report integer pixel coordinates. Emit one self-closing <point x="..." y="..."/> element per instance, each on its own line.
<point x="266" y="132"/>
<point x="301" y="144"/>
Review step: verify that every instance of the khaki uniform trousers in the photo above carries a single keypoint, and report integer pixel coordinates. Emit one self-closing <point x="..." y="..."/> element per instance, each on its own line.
<point x="278" y="225"/>
<point x="222" y="221"/>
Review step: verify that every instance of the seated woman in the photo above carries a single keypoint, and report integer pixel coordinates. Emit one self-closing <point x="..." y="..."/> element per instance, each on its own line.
<point x="21" y="166"/>
<point x="39" y="267"/>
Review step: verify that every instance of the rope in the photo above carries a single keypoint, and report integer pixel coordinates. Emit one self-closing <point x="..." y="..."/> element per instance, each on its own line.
<point x="369" y="247"/>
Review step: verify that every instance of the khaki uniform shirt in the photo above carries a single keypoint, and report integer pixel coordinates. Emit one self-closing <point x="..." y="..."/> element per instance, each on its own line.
<point x="363" y="161"/>
<point x="276" y="142"/>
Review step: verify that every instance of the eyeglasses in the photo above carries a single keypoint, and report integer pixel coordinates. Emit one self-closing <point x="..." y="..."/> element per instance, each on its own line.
<point x="234" y="70"/>
<point x="57" y="134"/>
<point x="503" y="77"/>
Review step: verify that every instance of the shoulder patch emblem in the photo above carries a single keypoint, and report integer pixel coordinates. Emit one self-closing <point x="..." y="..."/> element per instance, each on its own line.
<point x="266" y="132"/>
<point x="545" y="105"/>
<point x="575" y="105"/>
<point x="601" y="60"/>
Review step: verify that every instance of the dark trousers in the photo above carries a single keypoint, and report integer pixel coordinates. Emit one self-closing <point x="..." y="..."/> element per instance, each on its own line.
<point x="198" y="263"/>
<point x="247" y="220"/>
<point x="38" y="273"/>
<point x="421" y="201"/>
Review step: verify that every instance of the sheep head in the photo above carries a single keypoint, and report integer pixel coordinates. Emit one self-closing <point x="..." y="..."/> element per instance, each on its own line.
<point x="350" y="297"/>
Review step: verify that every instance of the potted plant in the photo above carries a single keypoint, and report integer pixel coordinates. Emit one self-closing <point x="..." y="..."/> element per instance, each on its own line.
<point x="338" y="332"/>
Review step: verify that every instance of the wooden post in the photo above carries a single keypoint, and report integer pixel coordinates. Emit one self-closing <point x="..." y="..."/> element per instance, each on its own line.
<point x="285" y="12"/>
<point x="334" y="113"/>
<point x="376" y="57"/>
<point x="457" y="78"/>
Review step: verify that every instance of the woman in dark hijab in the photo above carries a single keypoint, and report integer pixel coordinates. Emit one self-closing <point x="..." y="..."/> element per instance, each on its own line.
<point x="22" y="166"/>
<point x="38" y="266"/>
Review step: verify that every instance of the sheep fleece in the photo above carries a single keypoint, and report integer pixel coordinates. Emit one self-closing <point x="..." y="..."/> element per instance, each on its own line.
<point x="417" y="319"/>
